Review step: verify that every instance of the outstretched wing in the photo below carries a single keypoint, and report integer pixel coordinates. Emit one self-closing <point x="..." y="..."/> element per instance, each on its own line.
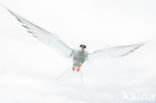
<point x="44" y="36"/>
<point x="118" y="51"/>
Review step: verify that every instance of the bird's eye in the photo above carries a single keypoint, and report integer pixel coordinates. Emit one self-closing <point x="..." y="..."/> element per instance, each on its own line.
<point x="84" y="46"/>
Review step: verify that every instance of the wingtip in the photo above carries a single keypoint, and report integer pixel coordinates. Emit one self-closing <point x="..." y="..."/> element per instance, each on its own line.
<point x="6" y="8"/>
<point x="144" y="43"/>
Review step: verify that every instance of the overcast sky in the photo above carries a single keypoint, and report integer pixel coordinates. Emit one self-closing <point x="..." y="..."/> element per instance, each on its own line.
<point x="31" y="72"/>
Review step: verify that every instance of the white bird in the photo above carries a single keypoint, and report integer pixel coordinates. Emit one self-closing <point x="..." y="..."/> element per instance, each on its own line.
<point x="79" y="56"/>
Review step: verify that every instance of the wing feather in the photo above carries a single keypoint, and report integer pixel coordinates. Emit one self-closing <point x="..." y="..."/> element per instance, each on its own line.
<point x="118" y="51"/>
<point x="51" y="39"/>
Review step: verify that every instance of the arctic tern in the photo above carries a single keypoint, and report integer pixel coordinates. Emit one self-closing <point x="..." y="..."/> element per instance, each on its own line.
<point x="79" y="56"/>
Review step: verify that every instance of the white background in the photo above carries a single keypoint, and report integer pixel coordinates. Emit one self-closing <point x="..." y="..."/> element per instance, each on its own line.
<point x="31" y="72"/>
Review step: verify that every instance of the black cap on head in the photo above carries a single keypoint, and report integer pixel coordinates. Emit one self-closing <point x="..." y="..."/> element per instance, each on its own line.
<point x="83" y="45"/>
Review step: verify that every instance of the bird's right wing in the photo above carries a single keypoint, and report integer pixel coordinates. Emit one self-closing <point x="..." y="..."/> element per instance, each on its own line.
<point x="51" y="39"/>
<point x="118" y="51"/>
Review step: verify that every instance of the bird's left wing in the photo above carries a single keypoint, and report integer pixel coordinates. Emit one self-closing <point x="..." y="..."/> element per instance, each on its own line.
<point x="118" y="51"/>
<point x="51" y="39"/>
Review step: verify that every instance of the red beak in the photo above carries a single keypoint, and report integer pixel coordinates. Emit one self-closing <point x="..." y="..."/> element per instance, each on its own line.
<point x="82" y="47"/>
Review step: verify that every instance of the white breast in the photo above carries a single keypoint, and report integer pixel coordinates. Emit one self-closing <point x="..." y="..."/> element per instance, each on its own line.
<point x="79" y="56"/>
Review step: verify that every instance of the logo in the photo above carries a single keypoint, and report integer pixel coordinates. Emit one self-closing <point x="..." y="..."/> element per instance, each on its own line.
<point x="138" y="97"/>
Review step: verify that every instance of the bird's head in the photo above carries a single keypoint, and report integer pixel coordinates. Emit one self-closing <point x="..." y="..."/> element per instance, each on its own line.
<point x="83" y="46"/>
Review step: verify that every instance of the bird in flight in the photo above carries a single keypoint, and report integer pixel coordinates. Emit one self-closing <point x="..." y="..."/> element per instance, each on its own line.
<point x="80" y="55"/>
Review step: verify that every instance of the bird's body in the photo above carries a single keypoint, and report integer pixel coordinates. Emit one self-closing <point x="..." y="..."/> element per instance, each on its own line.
<point x="79" y="56"/>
